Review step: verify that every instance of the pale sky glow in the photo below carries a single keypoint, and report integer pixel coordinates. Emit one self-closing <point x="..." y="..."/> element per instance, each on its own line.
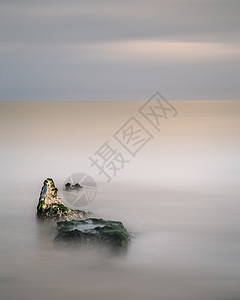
<point x="162" y="51"/>
<point x="111" y="50"/>
<point x="139" y="50"/>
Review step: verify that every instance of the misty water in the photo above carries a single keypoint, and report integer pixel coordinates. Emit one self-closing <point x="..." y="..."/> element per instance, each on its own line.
<point x="179" y="198"/>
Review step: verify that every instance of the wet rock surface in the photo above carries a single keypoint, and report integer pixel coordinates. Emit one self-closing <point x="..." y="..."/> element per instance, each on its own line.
<point x="93" y="232"/>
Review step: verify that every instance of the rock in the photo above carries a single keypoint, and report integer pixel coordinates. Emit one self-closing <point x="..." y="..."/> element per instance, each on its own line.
<point x="93" y="232"/>
<point x="77" y="187"/>
<point x="50" y="205"/>
<point x="77" y="227"/>
<point x="69" y="187"/>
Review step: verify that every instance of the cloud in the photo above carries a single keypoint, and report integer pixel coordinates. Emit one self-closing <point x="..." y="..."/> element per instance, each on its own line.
<point x="162" y="51"/>
<point x="104" y="49"/>
<point x="81" y="21"/>
<point x="128" y="51"/>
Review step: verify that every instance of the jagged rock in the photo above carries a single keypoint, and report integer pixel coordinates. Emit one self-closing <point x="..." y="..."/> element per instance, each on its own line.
<point x="50" y="205"/>
<point x="90" y="232"/>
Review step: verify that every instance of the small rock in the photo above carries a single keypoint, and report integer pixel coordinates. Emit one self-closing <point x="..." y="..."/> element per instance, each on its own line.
<point x="72" y="187"/>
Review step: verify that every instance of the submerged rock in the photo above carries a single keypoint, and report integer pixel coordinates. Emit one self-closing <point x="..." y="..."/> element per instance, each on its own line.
<point x="69" y="187"/>
<point x="50" y="205"/>
<point x="93" y="232"/>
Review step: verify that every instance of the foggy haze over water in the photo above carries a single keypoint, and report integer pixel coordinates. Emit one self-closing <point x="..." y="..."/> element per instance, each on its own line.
<point x="179" y="197"/>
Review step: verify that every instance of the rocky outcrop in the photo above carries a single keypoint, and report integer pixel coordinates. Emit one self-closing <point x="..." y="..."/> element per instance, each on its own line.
<point x="93" y="232"/>
<point x="50" y="205"/>
<point x="75" y="227"/>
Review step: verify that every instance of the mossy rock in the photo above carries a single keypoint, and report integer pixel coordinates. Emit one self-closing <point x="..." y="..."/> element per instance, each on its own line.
<point x="93" y="232"/>
<point x="50" y="206"/>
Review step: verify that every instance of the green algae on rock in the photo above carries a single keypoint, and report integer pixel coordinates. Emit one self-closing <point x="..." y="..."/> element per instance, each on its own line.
<point x="50" y="205"/>
<point x="92" y="231"/>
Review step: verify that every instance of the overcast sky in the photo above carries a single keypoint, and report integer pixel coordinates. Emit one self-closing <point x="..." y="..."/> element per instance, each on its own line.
<point x="119" y="50"/>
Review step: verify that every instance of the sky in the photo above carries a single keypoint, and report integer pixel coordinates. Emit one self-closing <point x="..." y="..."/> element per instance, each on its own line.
<point x="99" y="50"/>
